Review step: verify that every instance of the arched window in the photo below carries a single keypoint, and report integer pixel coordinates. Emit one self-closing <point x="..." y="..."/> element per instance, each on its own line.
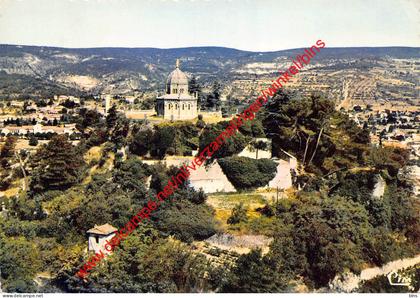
<point x="183" y="106"/>
<point x="176" y="106"/>
<point x="170" y="106"/>
<point x="189" y="107"/>
<point x="181" y="90"/>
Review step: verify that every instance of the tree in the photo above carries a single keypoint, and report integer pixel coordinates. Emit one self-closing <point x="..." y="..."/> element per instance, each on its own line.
<point x="41" y="103"/>
<point x="297" y="124"/>
<point x="194" y="86"/>
<point x="112" y="117"/>
<point x="253" y="273"/>
<point x="238" y="214"/>
<point x="322" y="139"/>
<point x="174" y="138"/>
<point x="131" y="176"/>
<point x="163" y="139"/>
<point x="147" y="103"/>
<point x="186" y="221"/>
<point x="97" y="137"/>
<point x="404" y="212"/>
<point x="88" y="118"/>
<point x="144" y="262"/>
<point x="33" y="141"/>
<point x="118" y="126"/>
<point x="213" y="98"/>
<point x="104" y="202"/>
<point x="57" y="165"/>
<point x="7" y="151"/>
<point x="259" y="145"/>
<point x="119" y="132"/>
<point x="200" y="122"/>
<point x="19" y="261"/>
<point x="142" y="141"/>
<point x="183" y="269"/>
<point x="69" y="104"/>
<point x="330" y="234"/>
<point x="233" y="145"/>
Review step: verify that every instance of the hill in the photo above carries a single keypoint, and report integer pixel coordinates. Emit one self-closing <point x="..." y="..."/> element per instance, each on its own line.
<point x="44" y="71"/>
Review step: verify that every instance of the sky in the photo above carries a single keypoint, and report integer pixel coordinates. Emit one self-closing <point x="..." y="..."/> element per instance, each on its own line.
<point x="255" y="25"/>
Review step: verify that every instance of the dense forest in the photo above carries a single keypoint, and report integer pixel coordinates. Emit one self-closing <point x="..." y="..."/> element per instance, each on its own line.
<point x="328" y="224"/>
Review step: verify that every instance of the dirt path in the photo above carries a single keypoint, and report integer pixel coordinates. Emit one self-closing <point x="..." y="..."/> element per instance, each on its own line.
<point x="350" y="282"/>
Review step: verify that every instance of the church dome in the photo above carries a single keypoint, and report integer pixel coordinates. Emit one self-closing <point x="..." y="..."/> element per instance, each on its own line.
<point x="177" y="81"/>
<point x="177" y="77"/>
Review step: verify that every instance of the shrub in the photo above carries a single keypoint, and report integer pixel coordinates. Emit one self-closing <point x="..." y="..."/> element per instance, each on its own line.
<point x="267" y="210"/>
<point x="200" y="122"/>
<point x="248" y="173"/>
<point x="187" y="221"/>
<point x="238" y="214"/>
<point x="33" y="141"/>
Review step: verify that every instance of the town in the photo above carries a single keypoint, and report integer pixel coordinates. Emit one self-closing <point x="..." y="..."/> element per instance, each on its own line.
<point x="216" y="146"/>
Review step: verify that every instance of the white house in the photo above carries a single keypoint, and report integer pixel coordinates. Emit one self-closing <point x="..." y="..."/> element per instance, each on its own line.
<point x="98" y="236"/>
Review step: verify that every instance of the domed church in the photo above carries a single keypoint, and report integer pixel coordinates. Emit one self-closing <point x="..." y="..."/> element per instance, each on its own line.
<point x="177" y="103"/>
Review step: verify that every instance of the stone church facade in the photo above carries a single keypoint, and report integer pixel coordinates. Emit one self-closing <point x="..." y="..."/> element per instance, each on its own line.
<point x="177" y="103"/>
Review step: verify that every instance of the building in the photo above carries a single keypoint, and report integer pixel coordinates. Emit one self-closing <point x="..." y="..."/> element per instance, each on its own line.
<point x="37" y="129"/>
<point x="98" y="237"/>
<point x="210" y="179"/>
<point x="177" y="103"/>
<point x="107" y="103"/>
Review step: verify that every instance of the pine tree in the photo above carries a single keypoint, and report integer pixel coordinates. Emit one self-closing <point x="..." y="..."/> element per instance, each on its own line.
<point x="58" y="165"/>
<point x="194" y="86"/>
<point x="119" y="132"/>
<point x="214" y="97"/>
<point x="112" y="117"/>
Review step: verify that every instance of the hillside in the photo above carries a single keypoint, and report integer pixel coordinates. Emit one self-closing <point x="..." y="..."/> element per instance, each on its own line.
<point x="44" y="71"/>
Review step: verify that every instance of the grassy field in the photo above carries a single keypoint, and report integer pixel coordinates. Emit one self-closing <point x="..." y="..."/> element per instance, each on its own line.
<point x="257" y="223"/>
<point x="224" y="203"/>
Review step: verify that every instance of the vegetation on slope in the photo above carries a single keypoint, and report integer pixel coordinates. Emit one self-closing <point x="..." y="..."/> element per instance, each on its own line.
<point x="330" y="225"/>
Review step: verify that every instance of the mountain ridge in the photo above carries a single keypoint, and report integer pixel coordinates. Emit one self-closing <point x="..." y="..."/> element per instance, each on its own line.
<point x="122" y="70"/>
